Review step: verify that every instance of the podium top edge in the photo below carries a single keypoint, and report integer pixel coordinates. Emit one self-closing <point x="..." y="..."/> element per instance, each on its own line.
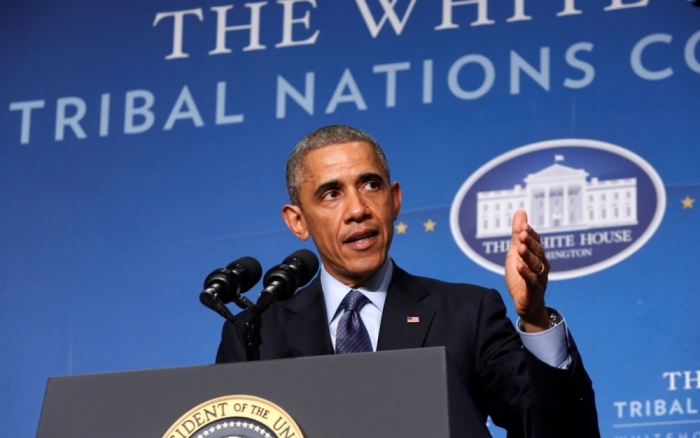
<point x="378" y="355"/>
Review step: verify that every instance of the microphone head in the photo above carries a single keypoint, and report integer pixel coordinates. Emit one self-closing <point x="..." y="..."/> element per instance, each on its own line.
<point x="306" y="261"/>
<point x="249" y="271"/>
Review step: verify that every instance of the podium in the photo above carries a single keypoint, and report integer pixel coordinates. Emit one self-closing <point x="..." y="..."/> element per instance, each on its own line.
<point x="402" y="393"/>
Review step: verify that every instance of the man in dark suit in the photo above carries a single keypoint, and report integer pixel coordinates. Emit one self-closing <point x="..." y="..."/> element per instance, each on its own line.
<point x="342" y="197"/>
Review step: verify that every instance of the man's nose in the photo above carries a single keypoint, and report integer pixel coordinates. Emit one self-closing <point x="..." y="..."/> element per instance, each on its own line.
<point x="356" y="208"/>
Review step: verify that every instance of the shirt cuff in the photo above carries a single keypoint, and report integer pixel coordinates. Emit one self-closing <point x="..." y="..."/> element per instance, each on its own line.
<point x="550" y="346"/>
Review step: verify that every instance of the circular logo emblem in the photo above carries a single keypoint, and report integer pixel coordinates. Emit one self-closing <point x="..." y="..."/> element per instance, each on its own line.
<point x="235" y="416"/>
<point x="593" y="203"/>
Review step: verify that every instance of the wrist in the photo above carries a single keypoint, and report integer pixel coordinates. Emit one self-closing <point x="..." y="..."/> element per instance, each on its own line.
<point x="538" y="321"/>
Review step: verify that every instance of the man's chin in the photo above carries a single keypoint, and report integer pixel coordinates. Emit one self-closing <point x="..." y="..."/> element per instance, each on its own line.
<point x="359" y="273"/>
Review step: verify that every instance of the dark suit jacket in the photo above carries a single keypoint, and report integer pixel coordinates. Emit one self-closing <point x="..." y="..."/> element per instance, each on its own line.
<point x="520" y="393"/>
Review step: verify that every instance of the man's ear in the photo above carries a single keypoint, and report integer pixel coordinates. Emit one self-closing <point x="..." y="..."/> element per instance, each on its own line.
<point x="294" y="218"/>
<point x="396" y="198"/>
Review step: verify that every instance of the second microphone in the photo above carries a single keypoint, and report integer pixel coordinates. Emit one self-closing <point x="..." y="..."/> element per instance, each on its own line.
<point x="282" y="281"/>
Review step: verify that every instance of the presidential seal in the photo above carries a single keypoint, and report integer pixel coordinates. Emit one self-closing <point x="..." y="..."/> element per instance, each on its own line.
<point x="235" y="416"/>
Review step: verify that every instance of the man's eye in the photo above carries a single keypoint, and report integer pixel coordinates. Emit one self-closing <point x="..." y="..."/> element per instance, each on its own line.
<point x="372" y="185"/>
<point x="331" y="194"/>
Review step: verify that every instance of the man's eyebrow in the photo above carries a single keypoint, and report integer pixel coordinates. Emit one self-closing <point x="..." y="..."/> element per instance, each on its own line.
<point x="371" y="176"/>
<point x="335" y="184"/>
<point x="328" y="185"/>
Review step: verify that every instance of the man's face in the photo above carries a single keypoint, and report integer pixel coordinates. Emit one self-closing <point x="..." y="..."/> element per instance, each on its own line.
<point x="348" y="207"/>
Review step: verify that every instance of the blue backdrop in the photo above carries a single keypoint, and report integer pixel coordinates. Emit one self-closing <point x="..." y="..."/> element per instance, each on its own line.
<point x="143" y="145"/>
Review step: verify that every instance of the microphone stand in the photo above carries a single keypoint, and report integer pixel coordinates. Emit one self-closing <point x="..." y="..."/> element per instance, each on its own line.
<point x="253" y="339"/>
<point x="251" y="330"/>
<point x="280" y="281"/>
<point x="253" y="324"/>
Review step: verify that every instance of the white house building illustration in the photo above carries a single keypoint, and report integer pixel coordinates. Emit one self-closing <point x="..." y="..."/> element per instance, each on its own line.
<point x="559" y="198"/>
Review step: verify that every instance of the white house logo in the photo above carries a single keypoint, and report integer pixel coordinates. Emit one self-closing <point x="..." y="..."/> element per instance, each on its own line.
<point x="593" y="203"/>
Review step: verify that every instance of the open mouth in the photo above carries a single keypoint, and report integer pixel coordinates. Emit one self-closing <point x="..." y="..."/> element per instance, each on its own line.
<point x="361" y="237"/>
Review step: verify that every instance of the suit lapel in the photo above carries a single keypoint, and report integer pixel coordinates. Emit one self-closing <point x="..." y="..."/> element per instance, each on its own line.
<point x="402" y="302"/>
<point x="307" y="329"/>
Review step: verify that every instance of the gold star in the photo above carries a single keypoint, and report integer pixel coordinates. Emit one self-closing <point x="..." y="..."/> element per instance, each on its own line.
<point x="687" y="202"/>
<point x="429" y="226"/>
<point x="401" y="228"/>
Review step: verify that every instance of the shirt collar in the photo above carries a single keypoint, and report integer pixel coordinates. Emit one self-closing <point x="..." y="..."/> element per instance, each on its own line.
<point x="374" y="289"/>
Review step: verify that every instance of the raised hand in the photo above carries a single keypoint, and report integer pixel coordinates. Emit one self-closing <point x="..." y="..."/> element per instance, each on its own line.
<point x="526" y="274"/>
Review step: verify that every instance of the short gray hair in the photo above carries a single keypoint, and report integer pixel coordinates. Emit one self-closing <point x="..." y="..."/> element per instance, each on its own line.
<point x="320" y="138"/>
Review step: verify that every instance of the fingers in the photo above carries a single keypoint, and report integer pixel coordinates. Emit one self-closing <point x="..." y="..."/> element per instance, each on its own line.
<point x="533" y="264"/>
<point x="529" y="240"/>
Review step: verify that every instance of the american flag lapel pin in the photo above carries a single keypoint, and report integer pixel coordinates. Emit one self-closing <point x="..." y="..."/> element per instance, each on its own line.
<point x="412" y="319"/>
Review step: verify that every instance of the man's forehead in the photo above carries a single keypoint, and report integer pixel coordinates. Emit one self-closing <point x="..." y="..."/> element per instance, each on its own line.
<point x="335" y="160"/>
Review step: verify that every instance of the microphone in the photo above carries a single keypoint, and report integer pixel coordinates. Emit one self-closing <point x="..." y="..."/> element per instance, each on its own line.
<point x="283" y="280"/>
<point x="226" y="284"/>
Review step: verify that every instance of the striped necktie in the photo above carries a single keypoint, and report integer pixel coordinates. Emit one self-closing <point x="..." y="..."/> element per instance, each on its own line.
<point x="352" y="336"/>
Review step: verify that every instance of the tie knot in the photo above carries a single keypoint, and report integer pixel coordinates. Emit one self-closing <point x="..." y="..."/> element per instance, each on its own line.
<point x="354" y="301"/>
